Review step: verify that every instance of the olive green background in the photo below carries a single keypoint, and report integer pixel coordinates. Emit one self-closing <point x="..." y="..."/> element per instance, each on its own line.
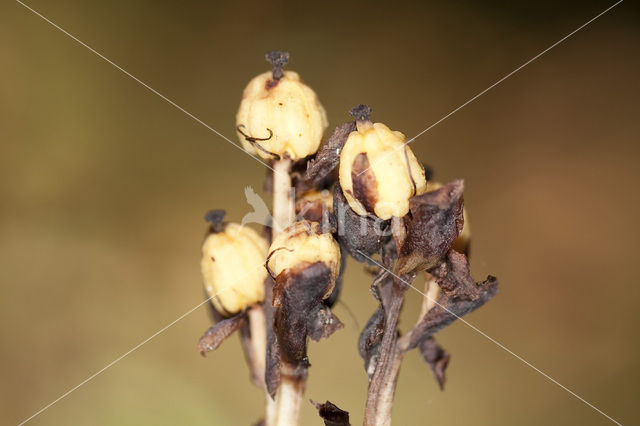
<point x="103" y="186"/>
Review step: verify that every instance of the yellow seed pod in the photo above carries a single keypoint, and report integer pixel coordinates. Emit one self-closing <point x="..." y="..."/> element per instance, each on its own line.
<point x="279" y="115"/>
<point x="231" y="271"/>
<point x="378" y="172"/>
<point x="463" y="242"/>
<point x="301" y="243"/>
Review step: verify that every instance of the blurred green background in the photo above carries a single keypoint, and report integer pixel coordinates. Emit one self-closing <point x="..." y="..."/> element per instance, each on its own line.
<point x="103" y="187"/>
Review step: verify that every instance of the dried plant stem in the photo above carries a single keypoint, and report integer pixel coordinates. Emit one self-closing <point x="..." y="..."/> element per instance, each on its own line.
<point x="383" y="382"/>
<point x="289" y="396"/>
<point x="382" y="385"/>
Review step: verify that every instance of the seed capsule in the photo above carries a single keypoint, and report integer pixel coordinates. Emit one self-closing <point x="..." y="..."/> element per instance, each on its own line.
<point x="302" y="244"/>
<point x="315" y="205"/>
<point x="280" y="115"/>
<point x="231" y="269"/>
<point x="378" y="172"/>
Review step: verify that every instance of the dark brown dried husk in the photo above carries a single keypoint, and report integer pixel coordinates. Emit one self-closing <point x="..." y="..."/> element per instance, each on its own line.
<point x="357" y="233"/>
<point x="432" y="226"/>
<point x="331" y="414"/>
<point x="459" y="295"/>
<point x="437" y="358"/>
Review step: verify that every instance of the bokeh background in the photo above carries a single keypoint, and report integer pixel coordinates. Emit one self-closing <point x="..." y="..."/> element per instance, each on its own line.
<point x="103" y="187"/>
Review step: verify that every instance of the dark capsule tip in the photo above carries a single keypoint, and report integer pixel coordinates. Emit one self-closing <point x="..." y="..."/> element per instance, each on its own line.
<point x="278" y="59"/>
<point x="214" y="217"/>
<point x="361" y="112"/>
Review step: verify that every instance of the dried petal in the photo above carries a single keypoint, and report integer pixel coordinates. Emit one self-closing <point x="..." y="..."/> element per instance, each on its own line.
<point x="214" y="336"/>
<point x="459" y="296"/>
<point x="331" y="414"/>
<point x="435" y="221"/>
<point x="436" y="357"/>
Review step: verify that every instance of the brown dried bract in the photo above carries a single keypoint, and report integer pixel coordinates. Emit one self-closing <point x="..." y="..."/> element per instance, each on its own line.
<point x="357" y="233"/>
<point x="323" y="323"/>
<point x="214" y="336"/>
<point x="331" y="414"/>
<point x="297" y="292"/>
<point x="460" y="295"/>
<point x="434" y="222"/>
<point x="370" y="339"/>
<point x="327" y="159"/>
<point x="437" y="358"/>
<point x="272" y="362"/>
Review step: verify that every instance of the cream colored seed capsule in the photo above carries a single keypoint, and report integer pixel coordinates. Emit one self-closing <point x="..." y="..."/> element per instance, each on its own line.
<point x="378" y="172"/>
<point x="280" y="115"/>
<point x="301" y="243"/>
<point x="231" y="270"/>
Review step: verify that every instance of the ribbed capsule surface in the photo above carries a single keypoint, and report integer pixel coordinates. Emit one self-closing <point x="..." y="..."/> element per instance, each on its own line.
<point x="284" y="117"/>
<point x="378" y="172"/>
<point x="303" y="243"/>
<point x="232" y="268"/>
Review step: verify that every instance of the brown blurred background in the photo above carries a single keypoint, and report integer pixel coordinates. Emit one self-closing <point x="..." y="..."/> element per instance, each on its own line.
<point x="104" y="186"/>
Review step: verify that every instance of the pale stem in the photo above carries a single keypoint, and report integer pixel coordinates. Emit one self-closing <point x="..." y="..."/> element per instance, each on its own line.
<point x="289" y="396"/>
<point x="257" y="326"/>
<point x="283" y="203"/>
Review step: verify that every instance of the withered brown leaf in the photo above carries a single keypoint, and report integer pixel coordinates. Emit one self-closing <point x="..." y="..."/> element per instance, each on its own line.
<point x="434" y="222"/>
